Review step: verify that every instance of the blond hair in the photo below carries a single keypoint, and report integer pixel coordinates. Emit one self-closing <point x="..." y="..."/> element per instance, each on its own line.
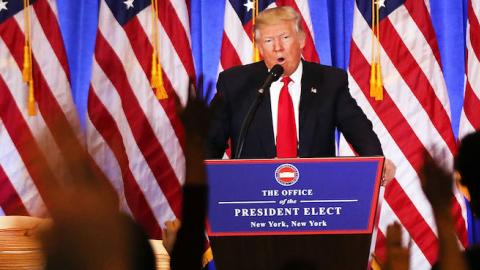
<point x="277" y="15"/>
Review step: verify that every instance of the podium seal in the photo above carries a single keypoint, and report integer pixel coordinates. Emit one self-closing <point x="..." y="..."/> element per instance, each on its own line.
<point x="286" y="175"/>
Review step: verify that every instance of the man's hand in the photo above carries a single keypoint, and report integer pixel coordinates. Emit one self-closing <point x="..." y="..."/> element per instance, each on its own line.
<point x="389" y="170"/>
<point x="169" y="234"/>
<point x="437" y="184"/>
<point x="398" y="257"/>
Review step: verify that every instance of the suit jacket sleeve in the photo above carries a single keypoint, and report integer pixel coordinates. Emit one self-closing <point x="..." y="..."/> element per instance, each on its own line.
<point x="354" y="124"/>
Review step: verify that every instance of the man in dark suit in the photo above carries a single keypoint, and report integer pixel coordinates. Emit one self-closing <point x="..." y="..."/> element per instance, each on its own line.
<point x="298" y="116"/>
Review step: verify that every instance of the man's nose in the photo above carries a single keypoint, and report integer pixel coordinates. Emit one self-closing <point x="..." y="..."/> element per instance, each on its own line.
<point x="277" y="45"/>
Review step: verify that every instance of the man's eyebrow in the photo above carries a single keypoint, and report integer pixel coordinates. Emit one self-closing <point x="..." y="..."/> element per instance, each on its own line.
<point x="279" y="35"/>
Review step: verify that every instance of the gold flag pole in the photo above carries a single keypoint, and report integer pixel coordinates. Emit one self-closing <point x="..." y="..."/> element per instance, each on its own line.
<point x="256" y="53"/>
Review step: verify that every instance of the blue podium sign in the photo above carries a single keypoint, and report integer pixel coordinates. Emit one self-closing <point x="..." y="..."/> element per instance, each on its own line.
<point x="293" y="196"/>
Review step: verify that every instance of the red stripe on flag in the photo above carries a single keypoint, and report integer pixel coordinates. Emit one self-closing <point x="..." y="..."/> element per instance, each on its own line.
<point x="51" y="28"/>
<point x="48" y="105"/>
<point x="248" y="28"/>
<point x="107" y="127"/>
<point x="175" y="31"/>
<point x="417" y="81"/>
<point x="380" y="247"/>
<point x="472" y="106"/>
<point x="474" y="30"/>
<point x="141" y="129"/>
<point x="412" y="220"/>
<point x="459" y="223"/>
<point x="229" y="56"/>
<point x="10" y="202"/>
<point x="26" y="145"/>
<point x="419" y="13"/>
<point x="410" y="145"/>
<point x="143" y="51"/>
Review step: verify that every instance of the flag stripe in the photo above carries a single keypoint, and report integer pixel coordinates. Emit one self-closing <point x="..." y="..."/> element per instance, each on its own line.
<point x="472" y="111"/>
<point x="48" y="104"/>
<point x="405" y="100"/>
<point x="421" y="51"/>
<point x="424" y="131"/>
<point x="406" y="175"/>
<point x="417" y="258"/>
<point x="26" y="145"/>
<point x="228" y="49"/>
<point x="10" y="201"/>
<point x="105" y="125"/>
<point x="144" y="136"/>
<point x="233" y="29"/>
<point x="398" y="127"/>
<point x="17" y="173"/>
<point x="143" y="49"/>
<point x="171" y="22"/>
<point x="412" y="220"/>
<point x="48" y="69"/>
<point x="27" y="140"/>
<point x="143" y="175"/>
<point x="50" y="27"/>
<point x="409" y="183"/>
<point x="470" y="118"/>
<point x="418" y="11"/>
<point x="413" y="75"/>
<point x="157" y="115"/>
<point x="380" y="246"/>
<point x="474" y="24"/>
<point x="398" y="130"/>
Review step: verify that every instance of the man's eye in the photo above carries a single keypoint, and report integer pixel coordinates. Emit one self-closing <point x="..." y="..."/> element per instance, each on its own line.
<point x="286" y="37"/>
<point x="267" y="41"/>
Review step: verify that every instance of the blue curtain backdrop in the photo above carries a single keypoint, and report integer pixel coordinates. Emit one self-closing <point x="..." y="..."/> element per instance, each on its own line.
<point x="332" y="22"/>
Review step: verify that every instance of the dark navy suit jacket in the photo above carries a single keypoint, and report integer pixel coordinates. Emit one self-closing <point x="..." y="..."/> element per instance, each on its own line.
<point x="325" y="104"/>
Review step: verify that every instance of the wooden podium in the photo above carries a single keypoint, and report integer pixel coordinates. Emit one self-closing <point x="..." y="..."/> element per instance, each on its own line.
<point x="293" y="213"/>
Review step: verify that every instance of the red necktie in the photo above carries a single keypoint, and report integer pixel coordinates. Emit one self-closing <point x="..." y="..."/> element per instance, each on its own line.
<point x="286" y="128"/>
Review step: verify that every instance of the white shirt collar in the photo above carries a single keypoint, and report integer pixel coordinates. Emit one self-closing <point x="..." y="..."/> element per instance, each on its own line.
<point x="297" y="74"/>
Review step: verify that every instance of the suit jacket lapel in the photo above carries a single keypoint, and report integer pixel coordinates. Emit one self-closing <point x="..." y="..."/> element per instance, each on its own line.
<point x="307" y="115"/>
<point x="263" y="118"/>
<point x="265" y="128"/>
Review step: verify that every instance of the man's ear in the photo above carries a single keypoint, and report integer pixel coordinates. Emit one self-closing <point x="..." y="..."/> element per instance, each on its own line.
<point x="302" y="37"/>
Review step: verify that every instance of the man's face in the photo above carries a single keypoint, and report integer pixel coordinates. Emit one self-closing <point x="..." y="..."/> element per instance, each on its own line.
<point x="281" y="44"/>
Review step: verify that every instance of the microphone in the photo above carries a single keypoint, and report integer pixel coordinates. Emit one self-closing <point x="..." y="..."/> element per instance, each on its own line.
<point x="273" y="75"/>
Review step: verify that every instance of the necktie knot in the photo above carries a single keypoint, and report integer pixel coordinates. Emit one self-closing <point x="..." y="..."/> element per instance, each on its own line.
<point x="286" y="80"/>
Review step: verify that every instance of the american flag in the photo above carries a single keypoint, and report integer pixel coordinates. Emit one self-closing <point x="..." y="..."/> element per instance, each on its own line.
<point x="31" y="145"/>
<point x="413" y="117"/>
<point x="137" y="139"/>
<point x="470" y="118"/>
<point x="237" y="41"/>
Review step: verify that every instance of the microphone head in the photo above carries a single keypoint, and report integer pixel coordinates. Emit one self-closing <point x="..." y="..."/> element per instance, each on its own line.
<point x="276" y="71"/>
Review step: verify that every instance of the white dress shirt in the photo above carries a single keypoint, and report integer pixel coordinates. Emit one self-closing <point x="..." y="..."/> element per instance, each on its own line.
<point x="294" y="88"/>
